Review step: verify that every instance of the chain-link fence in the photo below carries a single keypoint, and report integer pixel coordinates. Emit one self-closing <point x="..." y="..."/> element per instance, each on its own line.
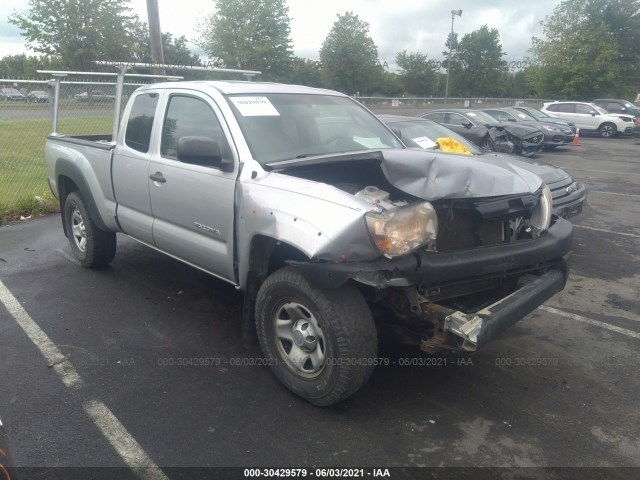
<point x="85" y="108"/>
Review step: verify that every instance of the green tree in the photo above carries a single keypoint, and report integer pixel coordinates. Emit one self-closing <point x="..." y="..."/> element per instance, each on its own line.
<point x="79" y="31"/>
<point x="417" y="73"/>
<point x="349" y="56"/>
<point x="22" y="66"/>
<point x="251" y="35"/>
<point x="175" y="52"/>
<point x="479" y="67"/>
<point x="305" y="72"/>
<point x="589" y="49"/>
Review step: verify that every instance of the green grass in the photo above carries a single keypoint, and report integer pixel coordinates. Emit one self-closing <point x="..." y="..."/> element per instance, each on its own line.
<point x="23" y="176"/>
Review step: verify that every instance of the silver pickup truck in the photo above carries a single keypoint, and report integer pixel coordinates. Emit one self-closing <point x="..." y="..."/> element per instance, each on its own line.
<point x="308" y="203"/>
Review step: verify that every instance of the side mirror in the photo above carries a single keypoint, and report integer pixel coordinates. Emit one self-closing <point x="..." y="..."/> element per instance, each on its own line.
<point x="512" y="120"/>
<point x="397" y="132"/>
<point x="624" y="109"/>
<point x="467" y="125"/>
<point x="202" y="151"/>
<point x="593" y="113"/>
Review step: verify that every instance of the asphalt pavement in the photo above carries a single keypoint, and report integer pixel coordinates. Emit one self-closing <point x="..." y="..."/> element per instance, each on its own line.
<point x="142" y="364"/>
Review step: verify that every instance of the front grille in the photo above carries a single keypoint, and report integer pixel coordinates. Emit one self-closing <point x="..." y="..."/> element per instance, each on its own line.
<point x="462" y="226"/>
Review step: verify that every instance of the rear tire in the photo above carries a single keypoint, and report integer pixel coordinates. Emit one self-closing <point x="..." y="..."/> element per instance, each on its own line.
<point x="90" y="245"/>
<point x="321" y="344"/>
<point x="608" y="130"/>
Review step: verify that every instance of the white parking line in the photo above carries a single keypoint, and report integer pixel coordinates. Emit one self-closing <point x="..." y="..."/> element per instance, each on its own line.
<point x="580" y="318"/>
<point x="124" y="444"/>
<point x="121" y="440"/>
<point x="632" y="235"/>
<point x="54" y="357"/>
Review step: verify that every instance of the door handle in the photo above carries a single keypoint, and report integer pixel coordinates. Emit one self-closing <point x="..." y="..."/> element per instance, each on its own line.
<point x="157" y="177"/>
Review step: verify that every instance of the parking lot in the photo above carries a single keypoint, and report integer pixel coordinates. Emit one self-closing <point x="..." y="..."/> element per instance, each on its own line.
<point x="142" y="364"/>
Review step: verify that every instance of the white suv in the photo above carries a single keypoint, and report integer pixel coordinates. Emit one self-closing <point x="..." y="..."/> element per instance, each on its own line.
<point x="590" y="117"/>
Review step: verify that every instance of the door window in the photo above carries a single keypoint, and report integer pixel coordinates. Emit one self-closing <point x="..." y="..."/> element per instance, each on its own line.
<point x="189" y="116"/>
<point x="584" y="109"/>
<point x="565" y="107"/>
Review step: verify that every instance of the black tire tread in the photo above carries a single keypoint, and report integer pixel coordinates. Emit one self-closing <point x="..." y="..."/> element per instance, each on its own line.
<point x="355" y="331"/>
<point x="101" y="245"/>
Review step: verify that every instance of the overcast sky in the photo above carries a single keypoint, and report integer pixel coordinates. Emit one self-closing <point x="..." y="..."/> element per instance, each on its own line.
<point x="395" y="25"/>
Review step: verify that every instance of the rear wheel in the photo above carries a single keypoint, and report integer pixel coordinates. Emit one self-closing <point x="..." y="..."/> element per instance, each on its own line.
<point x="321" y="344"/>
<point x="608" y="130"/>
<point x="90" y="245"/>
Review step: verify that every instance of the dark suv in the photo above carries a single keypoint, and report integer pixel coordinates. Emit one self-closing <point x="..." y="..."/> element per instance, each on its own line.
<point x="613" y="105"/>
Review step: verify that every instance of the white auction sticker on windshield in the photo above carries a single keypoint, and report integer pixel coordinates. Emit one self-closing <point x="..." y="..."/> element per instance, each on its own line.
<point x="424" y="142"/>
<point x="255" y="107"/>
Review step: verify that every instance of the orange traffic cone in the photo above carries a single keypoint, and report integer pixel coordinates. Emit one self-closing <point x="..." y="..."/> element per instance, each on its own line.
<point x="576" y="137"/>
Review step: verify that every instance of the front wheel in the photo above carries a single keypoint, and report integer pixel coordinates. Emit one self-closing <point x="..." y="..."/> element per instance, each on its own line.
<point x="608" y="130"/>
<point x="321" y="344"/>
<point x="90" y="245"/>
<point x="487" y="144"/>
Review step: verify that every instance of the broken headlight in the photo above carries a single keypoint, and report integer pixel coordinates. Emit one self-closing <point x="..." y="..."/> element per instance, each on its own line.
<point x="541" y="216"/>
<point x="404" y="230"/>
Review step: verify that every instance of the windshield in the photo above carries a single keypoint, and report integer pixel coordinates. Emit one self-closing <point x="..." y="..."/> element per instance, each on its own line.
<point x="423" y="134"/>
<point x="536" y="113"/>
<point x="481" y="117"/>
<point x="285" y="126"/>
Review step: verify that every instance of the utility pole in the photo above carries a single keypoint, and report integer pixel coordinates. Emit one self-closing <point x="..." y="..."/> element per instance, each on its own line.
<point x="453" y="16"/>
<point x="155" y="36"/>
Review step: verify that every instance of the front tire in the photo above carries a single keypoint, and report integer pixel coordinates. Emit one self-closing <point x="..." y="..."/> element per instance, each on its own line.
<point x="321" y="344"/>
<point x="608" y="130"/>
<point x="90" y="245"/>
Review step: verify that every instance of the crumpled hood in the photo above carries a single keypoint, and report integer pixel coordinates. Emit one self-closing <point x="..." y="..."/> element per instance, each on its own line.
<point x="432" y="176"/>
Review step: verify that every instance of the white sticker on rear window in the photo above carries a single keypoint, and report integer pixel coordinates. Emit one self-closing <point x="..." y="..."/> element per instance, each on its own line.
<point x="424" y="142"/>
<point x="471" y="114"/>
<point x="255" y="106"/>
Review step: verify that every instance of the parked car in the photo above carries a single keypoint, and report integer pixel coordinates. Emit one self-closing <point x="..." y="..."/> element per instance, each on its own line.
<point x="11" y="94"/>
<point x="38" y="96"/>
<point x="589" y="117"/>
<point x="619" y="107"/>
<point x="309" y="204"/>
<point x="636" y="132"/>
<point x="568" y="195"/>
<point x="554" y="135"/>
<point x="543" y="117"/>
<point x="94" y="96"/>
<point x="486" y="132"/>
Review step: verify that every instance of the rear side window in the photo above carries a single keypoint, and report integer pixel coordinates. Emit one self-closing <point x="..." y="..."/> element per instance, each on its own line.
<point x="565" y="107"/>
<point x="436" y="117"/>
<point x="138" y="134"/>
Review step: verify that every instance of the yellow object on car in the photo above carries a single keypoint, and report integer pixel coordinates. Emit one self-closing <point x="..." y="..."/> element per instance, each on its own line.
<point x="448" y="144"/>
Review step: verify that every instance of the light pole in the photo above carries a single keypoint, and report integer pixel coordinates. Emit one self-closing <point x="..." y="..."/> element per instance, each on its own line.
<point x="453" y="16"/>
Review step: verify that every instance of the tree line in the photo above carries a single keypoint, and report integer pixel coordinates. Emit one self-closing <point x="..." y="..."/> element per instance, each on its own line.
<point x="589" y="48"/>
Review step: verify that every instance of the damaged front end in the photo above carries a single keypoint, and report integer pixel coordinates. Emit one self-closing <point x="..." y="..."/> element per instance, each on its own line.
<point x="516" y="139"/>
<point x="467" y="251"/>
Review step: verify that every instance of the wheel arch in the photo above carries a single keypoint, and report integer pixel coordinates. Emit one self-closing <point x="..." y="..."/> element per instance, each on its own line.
<point x="70" y="179"/>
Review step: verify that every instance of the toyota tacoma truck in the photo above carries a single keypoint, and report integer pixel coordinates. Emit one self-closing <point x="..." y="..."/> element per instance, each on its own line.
<point x="310" y="205"/>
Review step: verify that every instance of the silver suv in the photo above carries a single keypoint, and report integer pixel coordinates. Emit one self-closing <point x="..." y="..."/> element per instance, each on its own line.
<point x="591" y="118"/>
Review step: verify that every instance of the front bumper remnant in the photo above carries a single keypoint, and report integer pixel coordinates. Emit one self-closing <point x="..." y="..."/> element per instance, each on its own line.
<point x="456" y="330"/>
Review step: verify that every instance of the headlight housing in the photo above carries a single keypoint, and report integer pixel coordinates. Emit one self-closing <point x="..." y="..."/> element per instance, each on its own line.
<point x="404" y="230"/>
<point x="551" y="129"/>
<point x="541" y="217"/>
